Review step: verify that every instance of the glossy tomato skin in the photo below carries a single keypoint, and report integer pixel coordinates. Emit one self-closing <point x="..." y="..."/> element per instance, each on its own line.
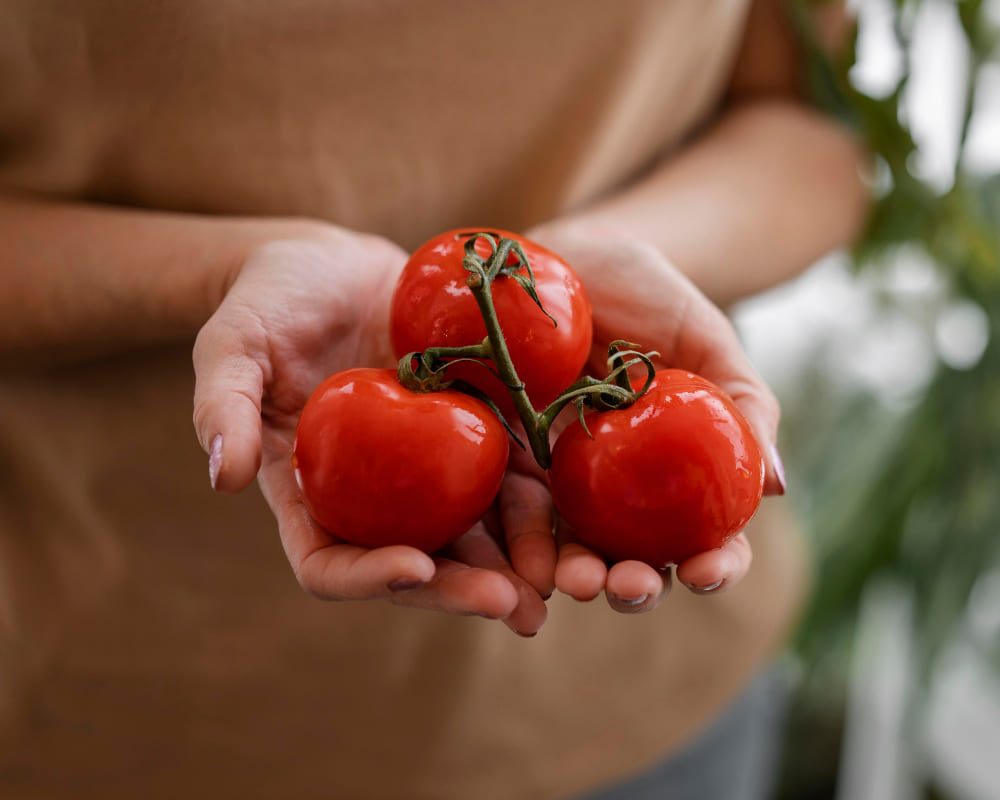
<point x="433" y="307"/>
<point x="673" y="475"/>
<point x="378" y="464"/>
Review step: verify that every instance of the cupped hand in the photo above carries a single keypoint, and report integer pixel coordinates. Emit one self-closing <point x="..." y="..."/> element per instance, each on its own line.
<point x="299" y="309"/>
<point x="639" y="296"/>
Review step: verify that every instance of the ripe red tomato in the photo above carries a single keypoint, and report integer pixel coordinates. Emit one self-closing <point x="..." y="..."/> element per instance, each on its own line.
<point x="378" y="464"/>
<point x="675" y="474"/>
<point x="433" y="307"/>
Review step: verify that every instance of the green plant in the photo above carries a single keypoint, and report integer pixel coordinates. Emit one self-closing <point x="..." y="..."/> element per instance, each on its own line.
<point x="917" y="494"/>
<point x="908" y="492"/>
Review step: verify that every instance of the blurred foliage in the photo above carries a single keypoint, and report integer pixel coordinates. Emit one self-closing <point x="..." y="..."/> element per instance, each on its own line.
<point x="910" y="492"/>
<point x="918" y="492"/>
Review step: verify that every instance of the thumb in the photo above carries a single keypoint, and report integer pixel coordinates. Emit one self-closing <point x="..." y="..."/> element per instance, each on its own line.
<point x="762" y="412"/>
<point x="728" y="367"/>
<point x="708" y="345"/>
<point x="229" y="384"/>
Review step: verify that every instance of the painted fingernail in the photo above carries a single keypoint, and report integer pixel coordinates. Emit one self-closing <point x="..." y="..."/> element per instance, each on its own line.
<point x="704" y="589"/>
<point x="779" y="467"/>
<point x="215" y="460"/>
<point x="405" y="584"/>
<point x="632" y="601"/>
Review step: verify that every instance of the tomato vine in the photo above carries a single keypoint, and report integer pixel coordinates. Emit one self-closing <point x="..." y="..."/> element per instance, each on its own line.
<point x="426" y="370"/>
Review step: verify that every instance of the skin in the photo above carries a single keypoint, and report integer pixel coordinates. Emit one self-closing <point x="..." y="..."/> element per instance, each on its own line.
<point x="73" y="291"/>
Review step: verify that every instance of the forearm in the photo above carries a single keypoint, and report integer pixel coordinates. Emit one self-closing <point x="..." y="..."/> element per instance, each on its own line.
<point x="81" y="279"/>
<point x="767" y="190"/>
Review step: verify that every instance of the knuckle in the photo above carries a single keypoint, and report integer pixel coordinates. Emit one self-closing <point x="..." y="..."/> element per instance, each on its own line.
<point x="328" y="577"/>
<point x="771" y="406"/>
<point x="310" y="583"/>
<point x="308" y="579"/>
<point x="201" y="418"/>
<point x="200" y="341"/>
<point x="521" y="506"/>
<point x="769" y="399"/>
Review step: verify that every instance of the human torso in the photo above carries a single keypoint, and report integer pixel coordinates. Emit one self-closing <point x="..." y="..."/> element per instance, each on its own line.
<point x="153" y="637"/>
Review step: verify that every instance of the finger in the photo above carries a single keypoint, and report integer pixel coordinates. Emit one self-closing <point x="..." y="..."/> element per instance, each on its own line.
<point x="229" y="384"/>
<point x="762" y="412"/>
<point x="478" y="549"/>
<point x="325" y="566"/>
<point x="334" y="570"/>
<point x="719" y="357"/>
<point x="527" y="517"/>
<point x="460" y="589"/>
<point x="633" y="587"/>
<point x="344" y="571"/>
<point x="717" y="570"/>
<point x="580" y="572"/>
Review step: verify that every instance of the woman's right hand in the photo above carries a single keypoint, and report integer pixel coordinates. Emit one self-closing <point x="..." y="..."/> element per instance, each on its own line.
<point x="640" y="296"/>
<point x="299" y="309"/>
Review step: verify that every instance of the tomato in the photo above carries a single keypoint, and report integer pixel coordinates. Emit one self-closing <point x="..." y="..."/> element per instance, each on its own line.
<point x="378" y="464"/>
<point x="675" y="474"/>
<point x="433" y="307"/>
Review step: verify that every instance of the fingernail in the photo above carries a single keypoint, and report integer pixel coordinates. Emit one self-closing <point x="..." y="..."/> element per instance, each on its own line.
<point x="779" y="467"/>
<point x="703" y="589"/>
<point x="215" y="460"/>
<point x="405" y="584"/>
<point x="632" y="601"/>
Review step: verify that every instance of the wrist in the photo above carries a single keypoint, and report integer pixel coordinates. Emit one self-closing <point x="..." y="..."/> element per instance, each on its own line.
<point x="87" y="279"/>
<point x="243" y="237"/>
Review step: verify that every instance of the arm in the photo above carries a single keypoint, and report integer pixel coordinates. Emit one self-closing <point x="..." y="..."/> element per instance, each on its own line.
<point x="82" y="280"/>
<point x="79" y="280"/>
<point x="767" y="189"/>
<point x="770" y="188"/>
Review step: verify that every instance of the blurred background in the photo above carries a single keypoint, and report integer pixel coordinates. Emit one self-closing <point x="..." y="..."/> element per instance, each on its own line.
<point x="887" y="361"/>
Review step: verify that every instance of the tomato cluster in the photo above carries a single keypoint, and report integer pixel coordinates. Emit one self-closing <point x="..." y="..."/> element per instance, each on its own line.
<point x="656" y="475"/>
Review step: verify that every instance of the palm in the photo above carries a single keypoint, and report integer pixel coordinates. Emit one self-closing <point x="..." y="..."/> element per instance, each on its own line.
<point x="321" y="307"/>
<point x="299" y="311"/>
<point x="639" y="296"/>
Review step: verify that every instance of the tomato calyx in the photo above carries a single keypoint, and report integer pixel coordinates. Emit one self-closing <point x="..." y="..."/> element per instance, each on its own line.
<point x="614" y="391"/>
<point x="425" y="371"/>
<point x="506" y="259"/>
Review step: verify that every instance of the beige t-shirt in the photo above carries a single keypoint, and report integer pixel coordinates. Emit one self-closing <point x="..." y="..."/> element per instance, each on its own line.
<point x="153" y="641"/>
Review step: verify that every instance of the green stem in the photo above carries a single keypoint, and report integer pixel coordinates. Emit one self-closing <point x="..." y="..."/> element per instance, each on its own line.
<point x="481" y="350"/>
<point x="615" y="391"/>
<point x="480" y="282"/>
